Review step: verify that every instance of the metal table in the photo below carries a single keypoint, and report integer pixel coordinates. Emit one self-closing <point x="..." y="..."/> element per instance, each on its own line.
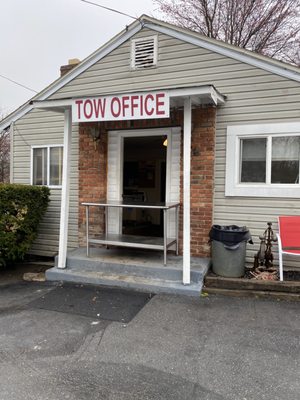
<point x="142" y="242"/>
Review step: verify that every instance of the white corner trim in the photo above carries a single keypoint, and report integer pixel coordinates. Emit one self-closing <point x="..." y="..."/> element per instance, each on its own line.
<point x="225" y="51"/>
<point x="11" y="154"/>
<point x="232" y="185"/>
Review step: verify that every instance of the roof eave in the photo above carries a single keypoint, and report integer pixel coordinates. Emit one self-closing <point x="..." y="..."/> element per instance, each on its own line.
<point x="195" y="38"/>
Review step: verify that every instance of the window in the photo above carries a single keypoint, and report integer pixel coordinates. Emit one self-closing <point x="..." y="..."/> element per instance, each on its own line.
<point x="144" y="52"/>
<point x="263" y="160"/>
<point x="285" y="159"/>
<point x="47" y="165"/>
<point x="253" y="160"/>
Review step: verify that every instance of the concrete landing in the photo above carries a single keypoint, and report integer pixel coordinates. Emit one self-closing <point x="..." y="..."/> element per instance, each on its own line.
<point x="133" y="269"/>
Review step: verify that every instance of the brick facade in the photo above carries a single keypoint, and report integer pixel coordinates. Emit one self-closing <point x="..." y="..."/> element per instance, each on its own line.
<point x="93" y="169"/>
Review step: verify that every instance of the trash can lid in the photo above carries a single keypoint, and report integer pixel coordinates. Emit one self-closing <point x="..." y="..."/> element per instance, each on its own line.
<point x="229" y="234"/>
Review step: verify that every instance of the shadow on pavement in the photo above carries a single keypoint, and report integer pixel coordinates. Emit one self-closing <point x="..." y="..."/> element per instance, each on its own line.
<point x="95" y="302"/>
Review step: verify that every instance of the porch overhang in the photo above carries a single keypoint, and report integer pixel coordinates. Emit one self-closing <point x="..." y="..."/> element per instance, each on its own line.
<point x="199" y="95"/>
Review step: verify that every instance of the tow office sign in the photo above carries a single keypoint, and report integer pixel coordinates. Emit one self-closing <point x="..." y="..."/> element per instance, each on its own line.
<point x="148" y="105"/>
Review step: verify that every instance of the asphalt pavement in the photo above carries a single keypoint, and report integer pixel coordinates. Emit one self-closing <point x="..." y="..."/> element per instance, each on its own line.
<point x="166" y="347"/>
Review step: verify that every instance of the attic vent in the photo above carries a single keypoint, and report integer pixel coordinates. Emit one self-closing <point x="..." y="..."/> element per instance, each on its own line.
<point x="144" y="52"/>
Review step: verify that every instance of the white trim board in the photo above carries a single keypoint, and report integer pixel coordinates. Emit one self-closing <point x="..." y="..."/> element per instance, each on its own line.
<point x="269" y="65"/>
<point x="48" y="147"/>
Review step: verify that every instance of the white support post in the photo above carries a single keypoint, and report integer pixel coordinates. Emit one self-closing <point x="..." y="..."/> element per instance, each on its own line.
<point x="187" y="127"/>
<point x="64" y="209"/>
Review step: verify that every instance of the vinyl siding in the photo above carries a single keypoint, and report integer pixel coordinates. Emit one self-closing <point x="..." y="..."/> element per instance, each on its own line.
<point x="179" y="64"/>
<point x="39" y="128"/>
<point x="253" y="96"/>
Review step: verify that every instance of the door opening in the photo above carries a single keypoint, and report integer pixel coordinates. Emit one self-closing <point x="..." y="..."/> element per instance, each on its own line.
<point x="144" y="180"/>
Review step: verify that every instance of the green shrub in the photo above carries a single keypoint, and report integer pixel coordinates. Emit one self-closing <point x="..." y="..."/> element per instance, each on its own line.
<point x="21" y="210"/>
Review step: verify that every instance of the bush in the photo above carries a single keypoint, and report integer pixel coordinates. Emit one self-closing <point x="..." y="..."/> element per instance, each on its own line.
<point x="21" y="210"/>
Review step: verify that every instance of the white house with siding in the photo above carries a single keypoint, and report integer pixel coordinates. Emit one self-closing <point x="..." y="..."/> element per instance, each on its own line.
<point x="162" y="115"/>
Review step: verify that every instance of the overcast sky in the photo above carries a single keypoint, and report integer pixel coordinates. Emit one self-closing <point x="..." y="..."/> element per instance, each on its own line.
<point x="38" y="36"/>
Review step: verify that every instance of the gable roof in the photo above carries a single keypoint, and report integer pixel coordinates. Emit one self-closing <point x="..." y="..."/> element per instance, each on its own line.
<point x="271" y="65"/>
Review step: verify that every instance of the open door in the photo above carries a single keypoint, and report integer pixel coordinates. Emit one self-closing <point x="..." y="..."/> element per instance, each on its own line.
<point x="153" y="176"/>
<point x="144" y="181"/>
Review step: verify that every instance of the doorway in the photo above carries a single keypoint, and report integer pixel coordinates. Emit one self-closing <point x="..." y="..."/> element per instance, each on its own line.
<point x="144" y="181"/>
<point x="115" y="173"/>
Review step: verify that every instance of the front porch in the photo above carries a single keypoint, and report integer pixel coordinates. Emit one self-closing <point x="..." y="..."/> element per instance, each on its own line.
<point x="134" y="269"/>
<point x="165" y="156"/>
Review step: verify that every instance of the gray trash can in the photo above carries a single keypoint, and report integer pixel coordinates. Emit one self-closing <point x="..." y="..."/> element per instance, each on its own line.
<point x="228" y="247"/>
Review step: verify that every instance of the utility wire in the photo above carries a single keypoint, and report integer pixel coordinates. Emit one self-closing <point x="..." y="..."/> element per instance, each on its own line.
<point x="17" y="83"/>
<point x="83" y="1"/>
<point x="108" y="8"/>
<point x="16" y="131"/>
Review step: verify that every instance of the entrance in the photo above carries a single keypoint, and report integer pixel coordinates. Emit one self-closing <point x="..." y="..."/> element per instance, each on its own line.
<point x="137" y="150"/>
<point x="144" y="181"/>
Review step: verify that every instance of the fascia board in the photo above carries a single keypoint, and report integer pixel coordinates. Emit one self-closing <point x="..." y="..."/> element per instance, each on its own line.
<point x="207" y="90"/>
<point x="53" y="105"/>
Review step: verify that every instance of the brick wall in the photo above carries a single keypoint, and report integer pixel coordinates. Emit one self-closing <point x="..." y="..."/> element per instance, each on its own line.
<point x="92" y="178"/>
<point x="202" y="179"/>
<point x="93" y="167"/>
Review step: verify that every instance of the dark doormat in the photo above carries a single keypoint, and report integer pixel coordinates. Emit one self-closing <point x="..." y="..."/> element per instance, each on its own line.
<point x="99" y="303"/>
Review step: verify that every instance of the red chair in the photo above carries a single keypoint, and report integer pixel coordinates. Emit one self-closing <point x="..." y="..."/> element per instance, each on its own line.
<point x="288" y="238"/>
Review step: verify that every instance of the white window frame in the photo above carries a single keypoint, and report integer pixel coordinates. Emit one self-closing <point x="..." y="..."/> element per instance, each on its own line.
<point x="48" y="147"/>
<point x="233" y="186"/>
<point x="155" y="50"/>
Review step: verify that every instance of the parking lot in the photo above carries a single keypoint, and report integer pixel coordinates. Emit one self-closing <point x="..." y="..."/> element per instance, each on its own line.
<point x="75" y="342"/>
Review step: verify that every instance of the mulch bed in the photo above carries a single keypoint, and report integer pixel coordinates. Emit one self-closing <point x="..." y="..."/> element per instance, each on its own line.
<point x="290" y="285"/>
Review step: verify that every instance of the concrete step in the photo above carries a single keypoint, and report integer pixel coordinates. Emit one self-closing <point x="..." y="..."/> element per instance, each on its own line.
<point x="146" y="264"/>
<point x="130" y="281"/>
<point x="129" y="268"/>
<point x="134" y="269"/>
